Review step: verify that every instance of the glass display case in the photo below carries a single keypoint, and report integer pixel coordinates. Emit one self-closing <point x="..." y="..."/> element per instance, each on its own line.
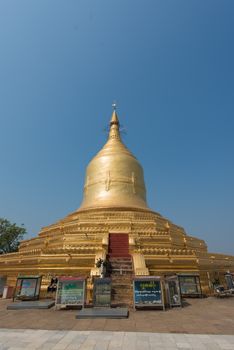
<point x="229" y="278"/>
<point x="173" y="291"/>
<point x="190" y="285"/>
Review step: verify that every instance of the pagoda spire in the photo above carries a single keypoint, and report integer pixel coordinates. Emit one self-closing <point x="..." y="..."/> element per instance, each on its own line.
<point x="114" y="177"/>
<point x="114" y="132"/>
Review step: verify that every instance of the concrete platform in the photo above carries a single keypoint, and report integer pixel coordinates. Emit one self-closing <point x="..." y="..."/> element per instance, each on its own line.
<point x="37" y="304"/>
<point x="102" y="312"/>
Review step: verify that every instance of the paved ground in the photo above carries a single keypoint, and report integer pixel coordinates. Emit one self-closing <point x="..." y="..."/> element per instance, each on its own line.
<point x="200" y="316"/>
<point x="91" y="340"/>
<point x="203" y="324"/>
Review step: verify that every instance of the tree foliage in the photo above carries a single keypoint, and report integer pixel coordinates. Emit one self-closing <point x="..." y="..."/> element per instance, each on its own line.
<point x="10" y="236"/>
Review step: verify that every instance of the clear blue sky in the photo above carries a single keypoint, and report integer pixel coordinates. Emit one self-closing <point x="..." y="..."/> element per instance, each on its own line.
<point x="170" y="66"/>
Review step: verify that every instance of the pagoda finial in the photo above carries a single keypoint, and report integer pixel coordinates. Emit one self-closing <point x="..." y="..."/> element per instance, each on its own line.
<point x="114" y="105"/>
<point x="114" y="117"/>
<point x="114" y="124"/>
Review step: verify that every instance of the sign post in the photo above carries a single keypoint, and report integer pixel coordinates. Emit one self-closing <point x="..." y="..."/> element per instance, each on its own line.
<point x="70" y="291"/>
<point x="148" y="292"/>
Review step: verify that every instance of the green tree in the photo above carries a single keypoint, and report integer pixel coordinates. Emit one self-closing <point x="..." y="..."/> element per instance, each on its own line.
<point x="10" y="236"/>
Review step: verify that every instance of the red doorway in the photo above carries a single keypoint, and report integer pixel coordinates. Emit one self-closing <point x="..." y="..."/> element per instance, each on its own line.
<point x="118" y="245"/>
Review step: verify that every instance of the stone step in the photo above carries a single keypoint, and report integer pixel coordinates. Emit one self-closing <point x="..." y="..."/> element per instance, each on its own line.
<point x="122" y="300"/>
<point x="123" y="277"/>
<point x="120" y="263"/>
<point x="116" y="295"/>
<point x="121" y="271"/>
<point x="122" y="289"/>
<point x="128" y="293"/>
<point x="120" y="258"/>
<point x="119" y="282"/>
<point x="121" y="266"/>
<point x="128" y="258"/>
<point x="117" y="270"/>
<point x="119" y="255"/>
<point x="119" y="285"/>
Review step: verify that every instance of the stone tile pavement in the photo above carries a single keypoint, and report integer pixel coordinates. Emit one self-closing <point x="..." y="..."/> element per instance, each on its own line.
<point x="19" y="339"/>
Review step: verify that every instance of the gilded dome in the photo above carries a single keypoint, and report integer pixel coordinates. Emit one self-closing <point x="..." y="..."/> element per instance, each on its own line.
<point x="114" y="177"/>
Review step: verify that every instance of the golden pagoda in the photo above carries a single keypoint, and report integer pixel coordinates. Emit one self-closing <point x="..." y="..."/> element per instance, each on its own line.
<point x="115" y="220"/>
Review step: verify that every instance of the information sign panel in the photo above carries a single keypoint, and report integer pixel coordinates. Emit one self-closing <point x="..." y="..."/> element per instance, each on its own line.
<point x="148" y="292"/>
<point x="3" y="280"/>
<point x="70" y="291"/>
<point x="229" y="280"/>
<point x="27" y="287"/>
<point x="190" y="285"/>
<point x="102" y="292"/>
<point x="173" y="291"/>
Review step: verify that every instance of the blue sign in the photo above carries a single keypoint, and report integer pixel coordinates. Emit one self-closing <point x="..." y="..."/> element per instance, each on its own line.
<point x="147" y="292"/>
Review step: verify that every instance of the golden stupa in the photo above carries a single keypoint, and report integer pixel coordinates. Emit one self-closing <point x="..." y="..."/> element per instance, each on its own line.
<point x="114" y="219"/>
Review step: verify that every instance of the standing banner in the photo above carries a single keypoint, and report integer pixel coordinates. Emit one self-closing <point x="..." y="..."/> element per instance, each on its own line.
<point x="70" y="291"/>
<point x="148" y="292"/>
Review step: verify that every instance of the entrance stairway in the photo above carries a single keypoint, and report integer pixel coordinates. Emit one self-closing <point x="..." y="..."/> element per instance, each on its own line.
<point x="118" y="245"/>
<point x="122" y="269"/>
<point x="121" y="276"/>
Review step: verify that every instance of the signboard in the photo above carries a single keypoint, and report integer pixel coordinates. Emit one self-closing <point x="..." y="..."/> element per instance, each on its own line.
<point x="229" y="281"/>
<point x="102" y="292"/>
<point x="27" y="287"/>
<point x="3" y="280"/>
<point x="148" y="292"/>
<point x="173" y="291"/>
<point x="70" y="291"/>
<point x="190" y="285"/>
